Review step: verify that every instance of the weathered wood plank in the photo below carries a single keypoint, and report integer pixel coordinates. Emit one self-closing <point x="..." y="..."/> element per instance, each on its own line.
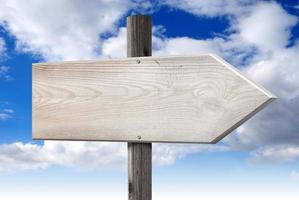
<point x="197" y="99"/>
<point x="140" y="171"/>
<point x="139" y="43"/>
<point x="139" y="36"/>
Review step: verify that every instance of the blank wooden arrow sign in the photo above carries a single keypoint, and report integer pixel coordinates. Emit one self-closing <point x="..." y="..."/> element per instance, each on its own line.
<point x="192" y="99"/>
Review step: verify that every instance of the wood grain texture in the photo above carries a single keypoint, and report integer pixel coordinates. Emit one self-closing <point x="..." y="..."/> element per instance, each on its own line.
<point x="140" y="171"/>
<point x="196" y="99"/>
<point x="139" y="43"/>
<point x="139" y="36"/>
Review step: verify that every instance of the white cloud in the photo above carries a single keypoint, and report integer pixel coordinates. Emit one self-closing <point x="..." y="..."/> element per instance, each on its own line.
<point x="166" y="154"/>
<point x="173" y="46"/>
<point x="6" y="114"/>
<point x="211" y="8"/>
<point x="275" y="66"/>
<point x="61" y="29"/>
<point x="232" y="48"/>
<point x="278" y="124"/>
<point x="277" y="153"/>
<point x="86" y="155"/>
<point x="24" y="156"/>
<point x="267" y="26"/>
<point x="116" y="46"/>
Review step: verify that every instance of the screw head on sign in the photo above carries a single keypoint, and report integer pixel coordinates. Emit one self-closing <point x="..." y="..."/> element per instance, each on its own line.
<point x="138" y="61"/>
<point x="139" y="137"/>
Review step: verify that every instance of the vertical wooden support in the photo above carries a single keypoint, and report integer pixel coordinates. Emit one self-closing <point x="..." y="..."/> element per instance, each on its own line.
<point x="139" y="43"/>
<point x="139" y="36"/>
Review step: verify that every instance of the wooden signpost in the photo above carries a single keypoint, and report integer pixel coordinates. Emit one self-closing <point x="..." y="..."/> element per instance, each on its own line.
<point x="189" y="99"/>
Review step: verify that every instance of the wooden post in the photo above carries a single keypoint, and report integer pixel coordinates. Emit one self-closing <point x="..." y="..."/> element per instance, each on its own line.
<point x="139" y="43"/>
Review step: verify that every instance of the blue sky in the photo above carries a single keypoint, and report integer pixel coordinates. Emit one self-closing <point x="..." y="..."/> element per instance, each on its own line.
<point x="260" y="160"/>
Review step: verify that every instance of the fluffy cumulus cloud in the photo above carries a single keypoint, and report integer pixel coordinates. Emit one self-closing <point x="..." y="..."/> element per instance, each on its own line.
<point x="116" y="46"/>
<point x="275" y="65"/>
<point x="258" y="39"/>
<point x="20" y="156"/>
<point x="86" y="155"/>
<point x="267" y="26"/>
<point x="279" y="123"/>
<point x="61" y="29"/>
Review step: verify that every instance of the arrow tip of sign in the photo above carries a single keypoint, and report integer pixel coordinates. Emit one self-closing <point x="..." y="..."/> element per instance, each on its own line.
<point x="270" y="97"/>
<point x="238" y="72"/>
<point x="259" y="108"/>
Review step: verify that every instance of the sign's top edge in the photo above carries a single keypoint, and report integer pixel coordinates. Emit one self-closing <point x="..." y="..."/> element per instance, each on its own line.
<point x="214" y="56"/>
<point x="125" y="58"/>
